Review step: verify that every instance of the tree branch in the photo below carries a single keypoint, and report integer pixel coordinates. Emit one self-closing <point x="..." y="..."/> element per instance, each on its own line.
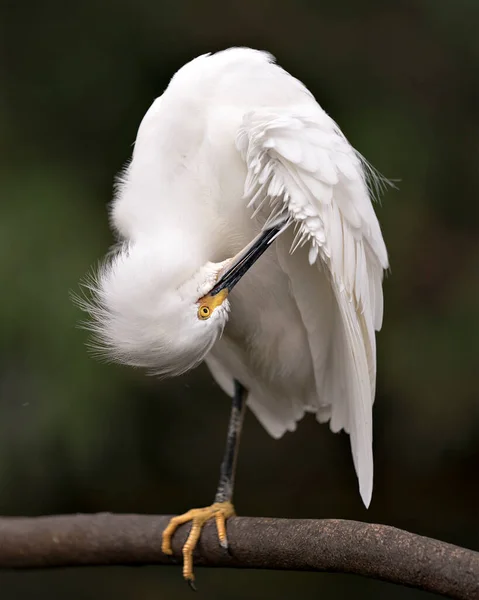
<point x="376" y="551"/>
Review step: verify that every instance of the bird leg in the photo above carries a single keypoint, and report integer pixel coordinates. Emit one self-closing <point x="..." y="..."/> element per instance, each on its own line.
<point x="222" y="508"/>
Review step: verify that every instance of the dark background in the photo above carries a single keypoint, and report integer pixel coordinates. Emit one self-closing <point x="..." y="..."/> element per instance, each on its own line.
<point x="401" y="78"/>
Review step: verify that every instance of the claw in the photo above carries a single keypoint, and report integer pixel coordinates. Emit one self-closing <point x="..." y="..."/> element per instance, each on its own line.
<point x="220" y="511"/>
<point x="191" y="583"/>
<point x="224" y="543"/>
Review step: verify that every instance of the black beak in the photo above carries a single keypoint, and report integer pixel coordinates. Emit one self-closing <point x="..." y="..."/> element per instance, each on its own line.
<point x="243" y="261"/>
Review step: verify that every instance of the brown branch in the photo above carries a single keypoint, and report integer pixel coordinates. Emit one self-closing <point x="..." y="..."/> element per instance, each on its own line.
<point x="376" y="551"/>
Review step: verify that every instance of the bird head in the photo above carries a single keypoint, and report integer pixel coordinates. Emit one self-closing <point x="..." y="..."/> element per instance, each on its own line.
<point x="162" y="310"/>
<point x="148" y="312"/>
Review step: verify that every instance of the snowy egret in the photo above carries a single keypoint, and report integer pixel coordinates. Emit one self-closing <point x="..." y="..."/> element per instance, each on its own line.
<point x="234" y="160"/>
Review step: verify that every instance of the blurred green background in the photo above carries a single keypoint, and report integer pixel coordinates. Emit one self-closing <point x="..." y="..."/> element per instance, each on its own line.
<point x="401" y="78"/>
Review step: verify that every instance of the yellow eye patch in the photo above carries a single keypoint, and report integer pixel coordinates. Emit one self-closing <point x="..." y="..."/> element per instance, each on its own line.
<point x="208" y="303"/>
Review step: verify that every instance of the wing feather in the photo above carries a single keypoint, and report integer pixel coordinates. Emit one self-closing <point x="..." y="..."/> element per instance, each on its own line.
<point x="302" y="168"/>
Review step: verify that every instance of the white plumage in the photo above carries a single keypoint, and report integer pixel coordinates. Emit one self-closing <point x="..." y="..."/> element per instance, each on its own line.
<point x="234" y="144"/>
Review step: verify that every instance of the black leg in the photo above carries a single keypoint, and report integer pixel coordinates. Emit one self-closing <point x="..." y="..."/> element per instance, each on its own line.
<point x="224" y="492"/>
<point x="222" y="509"/>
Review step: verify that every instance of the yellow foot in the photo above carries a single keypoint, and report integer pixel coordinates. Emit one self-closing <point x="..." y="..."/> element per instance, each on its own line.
<point x="220" y="511"/>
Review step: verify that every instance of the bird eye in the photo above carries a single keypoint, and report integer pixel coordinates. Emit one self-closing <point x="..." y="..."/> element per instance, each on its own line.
<point x="204" y="312"/>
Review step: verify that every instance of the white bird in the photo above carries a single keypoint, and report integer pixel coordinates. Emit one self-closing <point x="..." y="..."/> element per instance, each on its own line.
<point x="237" y="153"/>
